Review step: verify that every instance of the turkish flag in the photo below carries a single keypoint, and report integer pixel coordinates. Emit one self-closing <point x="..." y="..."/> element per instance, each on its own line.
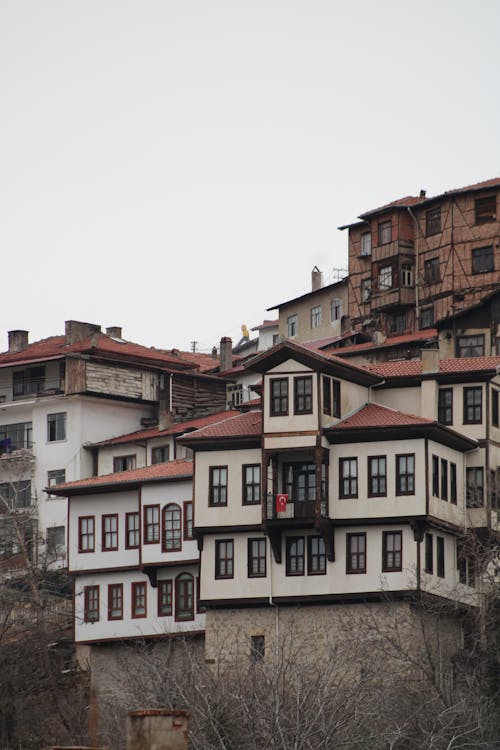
<point x="281" y="501"/>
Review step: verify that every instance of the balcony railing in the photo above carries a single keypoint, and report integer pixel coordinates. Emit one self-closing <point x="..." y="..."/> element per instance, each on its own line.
<point x="31" y="389"/>
<point x="295" y="508"/>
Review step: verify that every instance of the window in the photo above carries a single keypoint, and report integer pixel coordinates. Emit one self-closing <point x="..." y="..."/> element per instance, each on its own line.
<point x="331" y="396"/>
<point x="366" y="290"/>
<point x="123" y="463"/>
<point x="291" y="326"/>
<point x="445" y="406"/>
<point x="279" y="397"/>
<point x="398" y="322"/>
<point x="56" y="540"/>
<point x="172" y="534"/>
<point x="435" y="476"/>
<point x="470" y="346"/>
<point x="55" y="477"/>
<point x="110" y="532"/>
<point x="302" y="389"/>
<point x="256" y="558"/>
<point x="160" y="454"/>
<point x="348" y="477"/>
<point x="429" y="554"/>
<point x="164" y="598"/>
<point x="257" y="648"/>
<point x="440" y="556"/>
<point x="115" y="601"/>
<point x="427" y="317"/>
<point x="482" y="259"/>
<point x="299" y="481"/>
<point x="431" y="271"/>
<point x="356" y="553"/>
<point x="316" y="556"/>
<point x="474" y="479"/>
<point x="494" y="407"/>
<point x="406" y="274"/>
<point x="29" y="381"/>
<point x="91" y="603"/>
<point x="188" y="520"/>
<point x="384" y="232"/>
<point x="251" y="484"/>
<point x="405" y="474"/>
<point x="473" y="405"/>
<point x="56" y="427"/>
<point x="15" y="495"/>
<point x="444" y="479"/>
<point x="366" y="243"/>
<point x="184" y="597"/>
<point x="86" y="534"/>
<point x="336" y="309"/>
<point x="377" y="476"/>
<point x="433" y="221"/>
<point x="392" y="556"/>
<point x="151" y="524"/>
<point x="315" y="316"/>
<point x="465" y="565"/>
<point x="16" y="436"/>
<point x="453" y="483"/>
<point x="217" y="493"/>
<point x="276" y="338"/>
<point x="295" y="557"/>
<point x="224" y="558"/>
<point x="385" y="277"/>
<point x="485" y="209"/>
<point x="132" y="530"/>
<point x="139" y="604"/>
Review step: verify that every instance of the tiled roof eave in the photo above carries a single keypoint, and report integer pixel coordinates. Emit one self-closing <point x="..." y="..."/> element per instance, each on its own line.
<point x="372" y="433"/>
<point x="113" y="485"/>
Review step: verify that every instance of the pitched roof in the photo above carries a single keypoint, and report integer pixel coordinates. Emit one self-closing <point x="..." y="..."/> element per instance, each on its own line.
<point x="407" y="338"/>
<point x="246" y="424"/>
<point x="413" y="367"/>
<point x="328" y="287"/>
<point x="266" y="324"/>
<point x="202" y="360"/>
<point x="375" y="415"/>
<point x="179" y="469"/>
<point x="409" y="200"/>
<point x="179" y="428"/>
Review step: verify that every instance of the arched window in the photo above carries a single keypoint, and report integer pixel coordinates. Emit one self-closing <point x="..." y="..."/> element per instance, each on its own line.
<point x="172" y="528"/>
<point x="184" y="597"/>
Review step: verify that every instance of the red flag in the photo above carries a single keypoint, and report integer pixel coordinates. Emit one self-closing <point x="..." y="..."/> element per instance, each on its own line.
<point x="281" y="501"/>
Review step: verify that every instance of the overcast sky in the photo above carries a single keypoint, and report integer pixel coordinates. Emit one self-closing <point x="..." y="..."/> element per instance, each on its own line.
<point x="178" y="167"/>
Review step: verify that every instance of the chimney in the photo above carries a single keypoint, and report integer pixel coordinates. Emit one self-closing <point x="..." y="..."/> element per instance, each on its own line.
<point x="18" y="340"/>
<point x="430" y="359"/>
<point x="76" y="331"/>
<point x="214" y="352"/>
<point x="158" y="728"/>
<point x="422" y="194"/>
<point x="226" y="353"/>
<point x="114" y="331"/>
<point x="316" y="279"/>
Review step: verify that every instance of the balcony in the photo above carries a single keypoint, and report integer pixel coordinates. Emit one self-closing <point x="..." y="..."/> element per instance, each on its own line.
<point x="384" y="299"/>
<point x="391" y="249"/>
<point x="29" y="389"/>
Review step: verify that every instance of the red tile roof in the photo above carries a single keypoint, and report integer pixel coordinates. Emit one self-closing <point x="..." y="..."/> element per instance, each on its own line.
<point x="329" y="340"/>
<point x="412" y="367"/>
<point x="202" y="360"/>
<point x="409" y="200"/>
<point x="176" y="429"/>
<point x="266" y="324"/>
<point x="179" y="469"/>
<point x="494" y="182"/>
<point x="247" y="424"/>
<point x="407" y="338"/>
<point x="374" y="415"/>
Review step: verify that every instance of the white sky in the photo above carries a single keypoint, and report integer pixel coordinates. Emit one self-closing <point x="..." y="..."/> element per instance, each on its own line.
<point x="178" y="167"/>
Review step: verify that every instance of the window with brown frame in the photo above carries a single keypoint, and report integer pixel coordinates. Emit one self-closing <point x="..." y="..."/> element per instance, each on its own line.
<point x="184" y="597"/>
<point x="110" y="532"/>
<point x="427" y="317"/>
<point x="295" y="556"/>
<point x="429" y="554"/>
<point x="316" y="556"/>
<point x="139" y="602"/>
<point x="494" y="407"/>
<point x="392" y="551"/>
<point x="160" y="454"/>
<point x="115" y="601"/>
<point x="470" y="346"/>
<point x="86" y="534"/>
<point x="356" y="553"/>
<point x="256" y="558"/>
<point x="473" y="405"/>
<point x="384" y="232"/>
<point x="132" y="531"/>
<point x="217" y="491"/>
<point x="151" y="524"/>
<point x="405" y="474"/>
<point x="91" y="603"/>
<point x="331" y="396"/>
<point x="485" y="209"/>
<point x="435" y="476"/>
<point x="124" y="463"/>
<point x="453" y="483"/>
<point x="348" y="477"/>
<point x="377" y="476"/>
<point x="224" y="558"/>
<point x="440" y="556"/>
<point x="483" y="259"/>
<point x="188" y="519"/>
<point x="299" y="481"/>
<point x="433" y="221"/>
<point x="164" y="598"/>
<point x="279" y="397"/>
<point x="474" y="486"/>
<point x="445" y="406"/>
<point x="432" y="271"/>
<point x="302" y="391"/>
<point x="366" y="243"/>
<point x="444" y="479"/>
<point x="172" y="528"/>
<point x="385" y="277"/>
<point x="251" y="484"/>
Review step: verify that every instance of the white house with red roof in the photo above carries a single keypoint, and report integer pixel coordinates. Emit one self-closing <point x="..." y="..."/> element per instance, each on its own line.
<point x="349" y="485"/>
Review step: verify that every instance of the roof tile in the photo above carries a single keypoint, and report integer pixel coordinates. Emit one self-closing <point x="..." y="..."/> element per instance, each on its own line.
<point x="413" y="367"/>
<point x="247" y="424"/>
<point x="168" y="470"/>
<point x="374" y="415"/>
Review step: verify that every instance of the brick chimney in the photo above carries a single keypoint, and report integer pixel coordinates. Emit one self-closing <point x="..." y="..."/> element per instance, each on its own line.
<point x="158" y="728"/>
<point x="226" y="353"/>
<point x="316" y="279"/>
<point x="77" y="331"/>
<point x="114" y="331"/>
<point x="18" y="340"/>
